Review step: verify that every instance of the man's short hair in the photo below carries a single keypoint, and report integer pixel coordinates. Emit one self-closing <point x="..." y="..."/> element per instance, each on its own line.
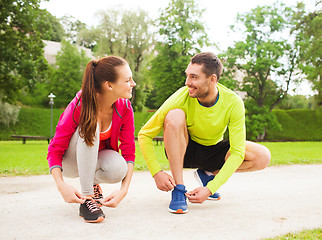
<point x="210" y="62"/>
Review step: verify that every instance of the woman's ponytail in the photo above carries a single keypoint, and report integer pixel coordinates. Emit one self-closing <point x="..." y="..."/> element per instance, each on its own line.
<point x="88" y="120"/>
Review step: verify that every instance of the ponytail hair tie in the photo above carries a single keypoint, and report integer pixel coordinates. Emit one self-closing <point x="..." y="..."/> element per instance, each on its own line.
<point x="94" y="63"/>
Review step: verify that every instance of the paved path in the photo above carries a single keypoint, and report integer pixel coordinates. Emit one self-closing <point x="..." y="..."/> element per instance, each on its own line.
<point x="254" y="205"/>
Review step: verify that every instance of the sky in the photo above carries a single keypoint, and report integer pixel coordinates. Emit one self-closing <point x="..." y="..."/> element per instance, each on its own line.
<point x="218" y="16"/>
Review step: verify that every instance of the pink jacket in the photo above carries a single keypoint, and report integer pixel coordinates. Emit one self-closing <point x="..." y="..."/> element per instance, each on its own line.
<point x="122" y="129"/>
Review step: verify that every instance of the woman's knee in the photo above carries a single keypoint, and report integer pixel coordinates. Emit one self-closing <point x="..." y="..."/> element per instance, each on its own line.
<point x="111" y="166"/>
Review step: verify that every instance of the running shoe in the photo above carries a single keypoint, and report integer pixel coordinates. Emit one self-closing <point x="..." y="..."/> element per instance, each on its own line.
<point x="98" y="194"/>
<point x="203" y="179"/>
<point x="178" y="202"/>
<point x="91" y="212"/>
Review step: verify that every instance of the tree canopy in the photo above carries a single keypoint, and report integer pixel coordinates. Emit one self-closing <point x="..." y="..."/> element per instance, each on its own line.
<point x="21" y="48"/>
<point x="181" y="35"/>
<point x="309" y="39"/>
<point x="66" y="77"/>
<point x="266" y="59"/>
<point x="126" y="34"/>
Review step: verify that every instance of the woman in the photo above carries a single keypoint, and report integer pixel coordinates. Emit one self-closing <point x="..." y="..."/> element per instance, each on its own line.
<point x="85" y="144"/>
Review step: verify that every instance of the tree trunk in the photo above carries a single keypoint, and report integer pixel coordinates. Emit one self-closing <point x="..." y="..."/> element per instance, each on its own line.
<point x="262" y="136"/>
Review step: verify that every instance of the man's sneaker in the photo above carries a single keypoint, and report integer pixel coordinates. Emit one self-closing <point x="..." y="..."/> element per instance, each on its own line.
<point x="91" y="212"/>
<point x="178" y="202"/>
<point x="98" y="194"/>
<point x="203" y="179"/>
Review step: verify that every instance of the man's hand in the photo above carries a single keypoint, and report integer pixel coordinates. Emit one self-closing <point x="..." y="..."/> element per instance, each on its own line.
<point x="164" y="181"/>
<point x="70" y="194"/>
<point x="199" y="195"/>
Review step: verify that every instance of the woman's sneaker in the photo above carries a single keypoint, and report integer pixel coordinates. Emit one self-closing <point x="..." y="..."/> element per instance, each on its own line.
<point x="91" y="212"/>
<point x="178" y="202"/>
<point x="203" y="179"/>
<point x="98" y="194"/>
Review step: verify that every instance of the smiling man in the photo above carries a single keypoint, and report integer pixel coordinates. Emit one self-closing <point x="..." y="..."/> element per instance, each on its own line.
<point x="194" y="120"/>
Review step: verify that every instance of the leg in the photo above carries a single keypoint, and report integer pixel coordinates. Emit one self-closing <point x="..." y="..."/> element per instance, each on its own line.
<point x="176" y="141"/>
<point x="111" y="167"/>
<point x="257" y="157"/>
<point x="87" y="163"/>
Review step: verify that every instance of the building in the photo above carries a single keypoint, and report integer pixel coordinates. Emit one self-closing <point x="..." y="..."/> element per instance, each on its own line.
<point x="51" y="49"/>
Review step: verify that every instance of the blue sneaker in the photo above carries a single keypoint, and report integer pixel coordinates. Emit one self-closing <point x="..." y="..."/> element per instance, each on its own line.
<point x="203" y="179"/>
<point x="178" y="202"/>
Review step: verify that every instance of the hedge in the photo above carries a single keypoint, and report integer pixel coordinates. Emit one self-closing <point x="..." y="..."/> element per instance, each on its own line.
<point x="297" y="125"/>
<point x="36" y="122"/>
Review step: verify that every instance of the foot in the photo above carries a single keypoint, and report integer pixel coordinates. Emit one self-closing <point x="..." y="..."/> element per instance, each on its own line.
<point x="203" y="179"/>
<point x="91" y="212"/>
<point x="178" y="202"/>
<point x="98" y="194"/>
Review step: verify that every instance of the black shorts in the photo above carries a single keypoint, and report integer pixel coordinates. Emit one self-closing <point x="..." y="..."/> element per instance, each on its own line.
<point x="209" y="158"/>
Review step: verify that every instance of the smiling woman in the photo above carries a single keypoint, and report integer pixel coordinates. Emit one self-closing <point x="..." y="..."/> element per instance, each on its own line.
<point x="86" y="142"/>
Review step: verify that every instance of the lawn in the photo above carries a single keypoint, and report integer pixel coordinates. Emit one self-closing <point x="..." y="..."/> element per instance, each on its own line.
<point x="314" y="234"/>
<point x="30" y="158"/>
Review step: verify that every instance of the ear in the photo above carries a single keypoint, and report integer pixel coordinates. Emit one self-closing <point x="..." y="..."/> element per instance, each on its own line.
<point x="213" y="78"/>
<point x="108" y="85"/>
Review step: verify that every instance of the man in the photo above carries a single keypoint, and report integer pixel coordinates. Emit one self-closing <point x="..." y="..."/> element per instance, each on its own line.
<point x="194" y="120"/>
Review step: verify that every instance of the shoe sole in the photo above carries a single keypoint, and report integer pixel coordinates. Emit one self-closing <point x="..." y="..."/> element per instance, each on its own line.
<point x="100" y="219"/>
<point x="178" y="211"/>
<point x="195" y="174"/>
<point x="213" y="199"/>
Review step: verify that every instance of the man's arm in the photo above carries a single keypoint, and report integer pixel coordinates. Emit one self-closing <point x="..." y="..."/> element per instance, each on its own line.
<point x="155" y="125"/>
<point x="237" y="140"/>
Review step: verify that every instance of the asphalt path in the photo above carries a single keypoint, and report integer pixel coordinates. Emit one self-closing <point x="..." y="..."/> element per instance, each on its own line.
<point x="254" y="205"/>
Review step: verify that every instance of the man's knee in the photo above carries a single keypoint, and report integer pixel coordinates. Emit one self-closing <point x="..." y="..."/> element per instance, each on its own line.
<point x="174" y="119"/>
<point x="258" y="155"/>
<point x="263" y="157"/>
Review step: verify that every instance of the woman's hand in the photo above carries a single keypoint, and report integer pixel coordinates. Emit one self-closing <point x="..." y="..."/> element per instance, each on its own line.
<point x="70" y="194"/>
<point x="114" y="198"/>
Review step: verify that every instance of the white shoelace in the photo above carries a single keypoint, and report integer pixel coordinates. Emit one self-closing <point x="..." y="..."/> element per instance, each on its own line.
<point x="92" y="205"/>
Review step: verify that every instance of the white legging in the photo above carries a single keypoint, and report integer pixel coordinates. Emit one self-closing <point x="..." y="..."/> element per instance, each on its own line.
<point x="92" y="166"/>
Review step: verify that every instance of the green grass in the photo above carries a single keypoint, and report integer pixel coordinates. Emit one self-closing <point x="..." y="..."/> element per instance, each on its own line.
<point x="284" y="153"/>
<point x="23" y="159"/>
<point x="314" y="234"/>
<point x="30" y="158"/>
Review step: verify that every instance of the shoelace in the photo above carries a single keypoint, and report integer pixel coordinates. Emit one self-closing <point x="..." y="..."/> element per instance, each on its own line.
<point x="180" y="190"/>
<point x="180" y="197"/>
<point x="97" y="192"/>
<point x="92" y="205"/>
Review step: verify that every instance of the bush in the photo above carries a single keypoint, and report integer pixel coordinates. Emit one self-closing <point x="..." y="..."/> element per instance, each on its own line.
<point x="31" y="121"/>
<point x="297" y="124"/>
<point x="36" y="122"/>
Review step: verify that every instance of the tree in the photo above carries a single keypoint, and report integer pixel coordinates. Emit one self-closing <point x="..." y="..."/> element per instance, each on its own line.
<point x="72" y="27"/>
<point x="181" y="35"/>
<point x="21" y="49"/>
<point x="8" y="113"/>
<point x="127" y="34"/>
<point x="267" y="60"/>
<point x="66" y="80"/>
<point x="89" y="37"/>
<point x="296" y="102"/>
<point x="310" y="42"/>
<point x="49" y="26"/>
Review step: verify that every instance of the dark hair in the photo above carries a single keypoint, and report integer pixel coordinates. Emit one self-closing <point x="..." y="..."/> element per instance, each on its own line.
<point x="96" y="73"/>
<point x="210" y="62"/>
